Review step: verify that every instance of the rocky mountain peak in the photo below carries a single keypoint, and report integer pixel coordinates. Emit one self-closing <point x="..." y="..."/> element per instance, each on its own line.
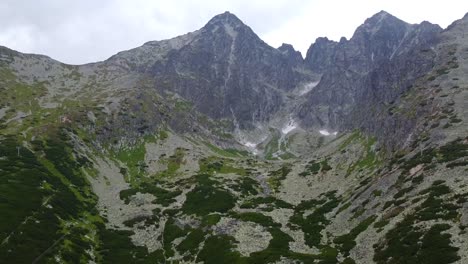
<point x="227" y="25"/>
<point x="293" y="55"/>
<point x="226" y="18"/>
<point x="227" y="63"/>
<point x="319" y="55"/>
<point x="285" y="47"/>
<point x="381" y="22"/>
<point x="378" y="51"/>
<point x="380" y="17"/>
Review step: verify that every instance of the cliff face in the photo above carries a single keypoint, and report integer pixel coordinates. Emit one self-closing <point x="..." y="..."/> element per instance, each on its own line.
<point x="361" y="76"/>
<point x="227" y="73"/>
<point x="224" y="69"/>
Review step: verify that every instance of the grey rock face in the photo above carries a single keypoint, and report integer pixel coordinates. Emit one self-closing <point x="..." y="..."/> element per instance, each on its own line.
<point x="295" y="57"/>
<point x="320" y="55"/>
<point x="379" y="63"/>
<point x="226" y="72"/>
<point x="224" y="69"/>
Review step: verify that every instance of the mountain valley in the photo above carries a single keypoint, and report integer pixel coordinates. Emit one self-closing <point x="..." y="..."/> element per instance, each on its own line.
<point x="214" y="147"/>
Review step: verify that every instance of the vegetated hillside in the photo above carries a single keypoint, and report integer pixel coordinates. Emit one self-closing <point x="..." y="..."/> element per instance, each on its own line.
<point x="149" y="157"/>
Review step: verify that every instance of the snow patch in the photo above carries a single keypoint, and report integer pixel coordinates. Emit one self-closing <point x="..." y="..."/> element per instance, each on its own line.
<point x="327" y="133"/>
<point x="250" y="144"/>
<point x="290" y="126"/>
<point x="308" y="87"/>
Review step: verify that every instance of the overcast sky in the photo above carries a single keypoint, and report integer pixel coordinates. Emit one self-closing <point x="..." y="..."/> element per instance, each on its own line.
<point x="82" y="31"/>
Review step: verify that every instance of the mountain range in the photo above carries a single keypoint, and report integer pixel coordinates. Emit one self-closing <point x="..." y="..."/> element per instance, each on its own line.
<point x="214" y="147"/>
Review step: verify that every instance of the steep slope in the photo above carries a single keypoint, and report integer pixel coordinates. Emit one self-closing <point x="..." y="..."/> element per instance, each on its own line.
<point x="378" y="64"/>
<point x="225" y="62"/>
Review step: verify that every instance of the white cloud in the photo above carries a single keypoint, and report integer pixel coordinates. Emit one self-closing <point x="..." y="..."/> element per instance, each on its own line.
<point x="337" y="18"/>
<point x="87" y="30"/>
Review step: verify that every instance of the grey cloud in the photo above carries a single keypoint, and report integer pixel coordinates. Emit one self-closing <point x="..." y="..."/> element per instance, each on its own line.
<point x="87" y="30"/>
<point x="91" y="30"/>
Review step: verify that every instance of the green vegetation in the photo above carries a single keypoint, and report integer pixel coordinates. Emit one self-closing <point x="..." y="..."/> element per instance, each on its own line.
<point x="276" y="177"/>
<point x="315" y="222"/>
<point x="457" y="164"/>
<point x="434" y="207"/>
<point x="381" y="224"/>
<point x="117" y="247"/>
<point x="57" y="150"/>
<point x="402" y="192"/>
<point x="436" y="246"/>
<point x="279" y="247"/>
<point x="133" y="158"/>
<point x="377" y="193"/>
<point x="206" y="198"/>
<point x="277" y="148"/>
<point x="408" y="242"/>
<point x="236" y="152"/>
<point x="138" y="219"/>
<point x="258" y="218"/>
<point x="212" y="164"/>
<point x="418" y="179"/>
<point x="347" y="242"/>
<point x="287" y="155"/>
<point x="43" y="213"/>
<point x="270" y="201"/>
<point x="191" y="242"/>
<point x="163" y="196"/>
<point x="163" y="135"/>
<point x="350" y="139"/>
<point x="314" y="167"/>
<point x="450" y="152"/>
<point x="369" y="159"/>
<point x="218" y="249"/>
<point x="171" y="232"/>
<point x="344" y="207"/>
<point x="211" y="219"/>
<point x="272" y="147"/>
<point x="173" y="164"/>
<point x="246" y="186"/>
<point x="182" y="106"/>
<point x="229" y="153"/>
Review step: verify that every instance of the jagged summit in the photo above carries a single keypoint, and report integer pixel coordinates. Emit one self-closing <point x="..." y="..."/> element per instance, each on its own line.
<point x="382" y="15"/>
<point x="319" y="55"/>
<point x="229" y="24"/>
<point x="294" y="56"/>
<point x="226" y="18"/>
<point x="381" y="20"/>
<point x="287" y="48"/>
